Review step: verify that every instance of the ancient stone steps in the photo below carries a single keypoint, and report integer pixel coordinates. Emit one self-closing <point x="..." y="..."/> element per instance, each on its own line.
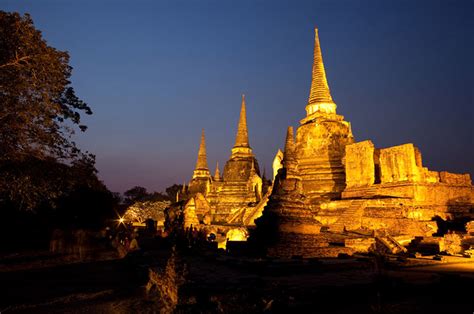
<point x="349" y="218"/>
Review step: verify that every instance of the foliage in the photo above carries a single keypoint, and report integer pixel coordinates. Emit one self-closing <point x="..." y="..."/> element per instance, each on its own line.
<point x="27" y="183"/>
<point x="33" y="182"/>
<point x="58" y="196"/>
<point x="38" y="107"/>
<point x="142" y="205"/>
<point x="141" y="211"/>
<point x="39" y="162"/>
<point x="155" y="197"/>
<point x="140" y="194"/>
<point x="171" y="191"/>
<point x="135" y="194"/>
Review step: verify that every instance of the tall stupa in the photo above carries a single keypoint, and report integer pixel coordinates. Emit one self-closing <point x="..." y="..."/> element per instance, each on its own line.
<point x="241" y="183"/>
<point x="321" y="138"/>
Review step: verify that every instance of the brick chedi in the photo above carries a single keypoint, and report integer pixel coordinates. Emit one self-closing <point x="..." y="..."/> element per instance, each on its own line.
<point x="384" y="190"/>
<point x="230" y="198"/>
<point x="288" y="224"/>
<point x="321" y="138"/>
<point x="241" y="184"/>
<point x="200" y="183"/>
<point x="355" y="191"/>
<point x="328" y="189"/>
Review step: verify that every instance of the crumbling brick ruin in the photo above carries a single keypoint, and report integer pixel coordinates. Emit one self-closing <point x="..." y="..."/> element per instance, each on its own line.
<point x="331" y="194"/>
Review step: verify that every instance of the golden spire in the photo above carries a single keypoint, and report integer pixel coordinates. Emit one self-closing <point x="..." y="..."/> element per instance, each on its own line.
<point x="217" y="174"/>
<point x="242" y="138"/>
<point x="201" y="163"/>
<point x="320" y="99"/>
<point x="242" y="147"/>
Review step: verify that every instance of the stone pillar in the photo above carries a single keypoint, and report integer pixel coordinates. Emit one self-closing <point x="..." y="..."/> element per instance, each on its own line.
<point x="359" y="164"/>
<point x="398" y="164"/>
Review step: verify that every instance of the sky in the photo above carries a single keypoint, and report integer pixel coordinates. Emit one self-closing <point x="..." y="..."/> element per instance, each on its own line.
<point x="156" y="72"/>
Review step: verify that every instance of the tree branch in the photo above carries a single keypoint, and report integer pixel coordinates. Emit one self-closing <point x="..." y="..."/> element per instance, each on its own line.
<point x="16" y="62"/>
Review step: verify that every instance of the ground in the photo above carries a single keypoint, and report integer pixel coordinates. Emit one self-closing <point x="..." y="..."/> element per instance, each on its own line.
<point x="216" y="282"/>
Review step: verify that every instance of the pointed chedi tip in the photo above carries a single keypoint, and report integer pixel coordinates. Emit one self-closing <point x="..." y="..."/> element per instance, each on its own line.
<point x="320" y="95"/>
<point x="242" y="137"/>
<point x="201" y="163"/>
<point x="217" y="174"/>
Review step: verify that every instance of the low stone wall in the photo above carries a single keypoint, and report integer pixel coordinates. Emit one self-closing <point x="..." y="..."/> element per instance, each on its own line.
<point x="455" y="178"/>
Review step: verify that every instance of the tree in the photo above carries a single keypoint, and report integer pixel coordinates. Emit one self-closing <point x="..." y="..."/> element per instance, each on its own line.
<point x="32" y="182"/>
<point x="46" y="182"/>
<point x="39" y="112"/>
<point x="38" y="106"/>
<point x="137" y="193"/>
<point x="156" y="197"/>
<point x="172" y="190"/>
<point x="58" y="196"/>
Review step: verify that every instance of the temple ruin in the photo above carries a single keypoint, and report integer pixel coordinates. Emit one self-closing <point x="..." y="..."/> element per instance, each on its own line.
<point x="234" y="199"/>
<point x="329" y="189"/>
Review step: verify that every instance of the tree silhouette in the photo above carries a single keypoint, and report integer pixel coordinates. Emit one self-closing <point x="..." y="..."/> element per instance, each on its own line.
<point x="137" y="193"/>
<point x="38" y="106"/>
<point x="171" y="191"/>
<point x="38" y="114"/>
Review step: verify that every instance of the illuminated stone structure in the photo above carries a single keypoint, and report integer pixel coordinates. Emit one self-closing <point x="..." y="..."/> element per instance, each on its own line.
<point x="277" y="163"/>
<point x="201" y="181"/>
<point x="389" y="189"/>
<point x="331" y="183"/>
<point x="232" y="197"/>
<point x="241" y="183"/>
<point x="287" y="218"/>
<point x="321" y="138"/>
<point x="362" y="195"/>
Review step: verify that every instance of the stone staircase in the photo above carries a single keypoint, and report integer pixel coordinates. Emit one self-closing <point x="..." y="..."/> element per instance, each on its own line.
<point x="237" y="216"/>
<point x="253" y="213"/>
<point x="350" y="218"/>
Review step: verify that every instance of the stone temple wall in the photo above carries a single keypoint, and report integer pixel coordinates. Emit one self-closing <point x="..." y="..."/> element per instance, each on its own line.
<point x="389" y="189"/>
<point x="360" y="165"/>
<point x="399" y="163"/>
<point x="366" y="166"/>
<point x="454" y="178"/>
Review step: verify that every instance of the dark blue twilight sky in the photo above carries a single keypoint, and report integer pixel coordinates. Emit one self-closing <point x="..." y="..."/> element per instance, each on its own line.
<point x="155" y="73"/>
